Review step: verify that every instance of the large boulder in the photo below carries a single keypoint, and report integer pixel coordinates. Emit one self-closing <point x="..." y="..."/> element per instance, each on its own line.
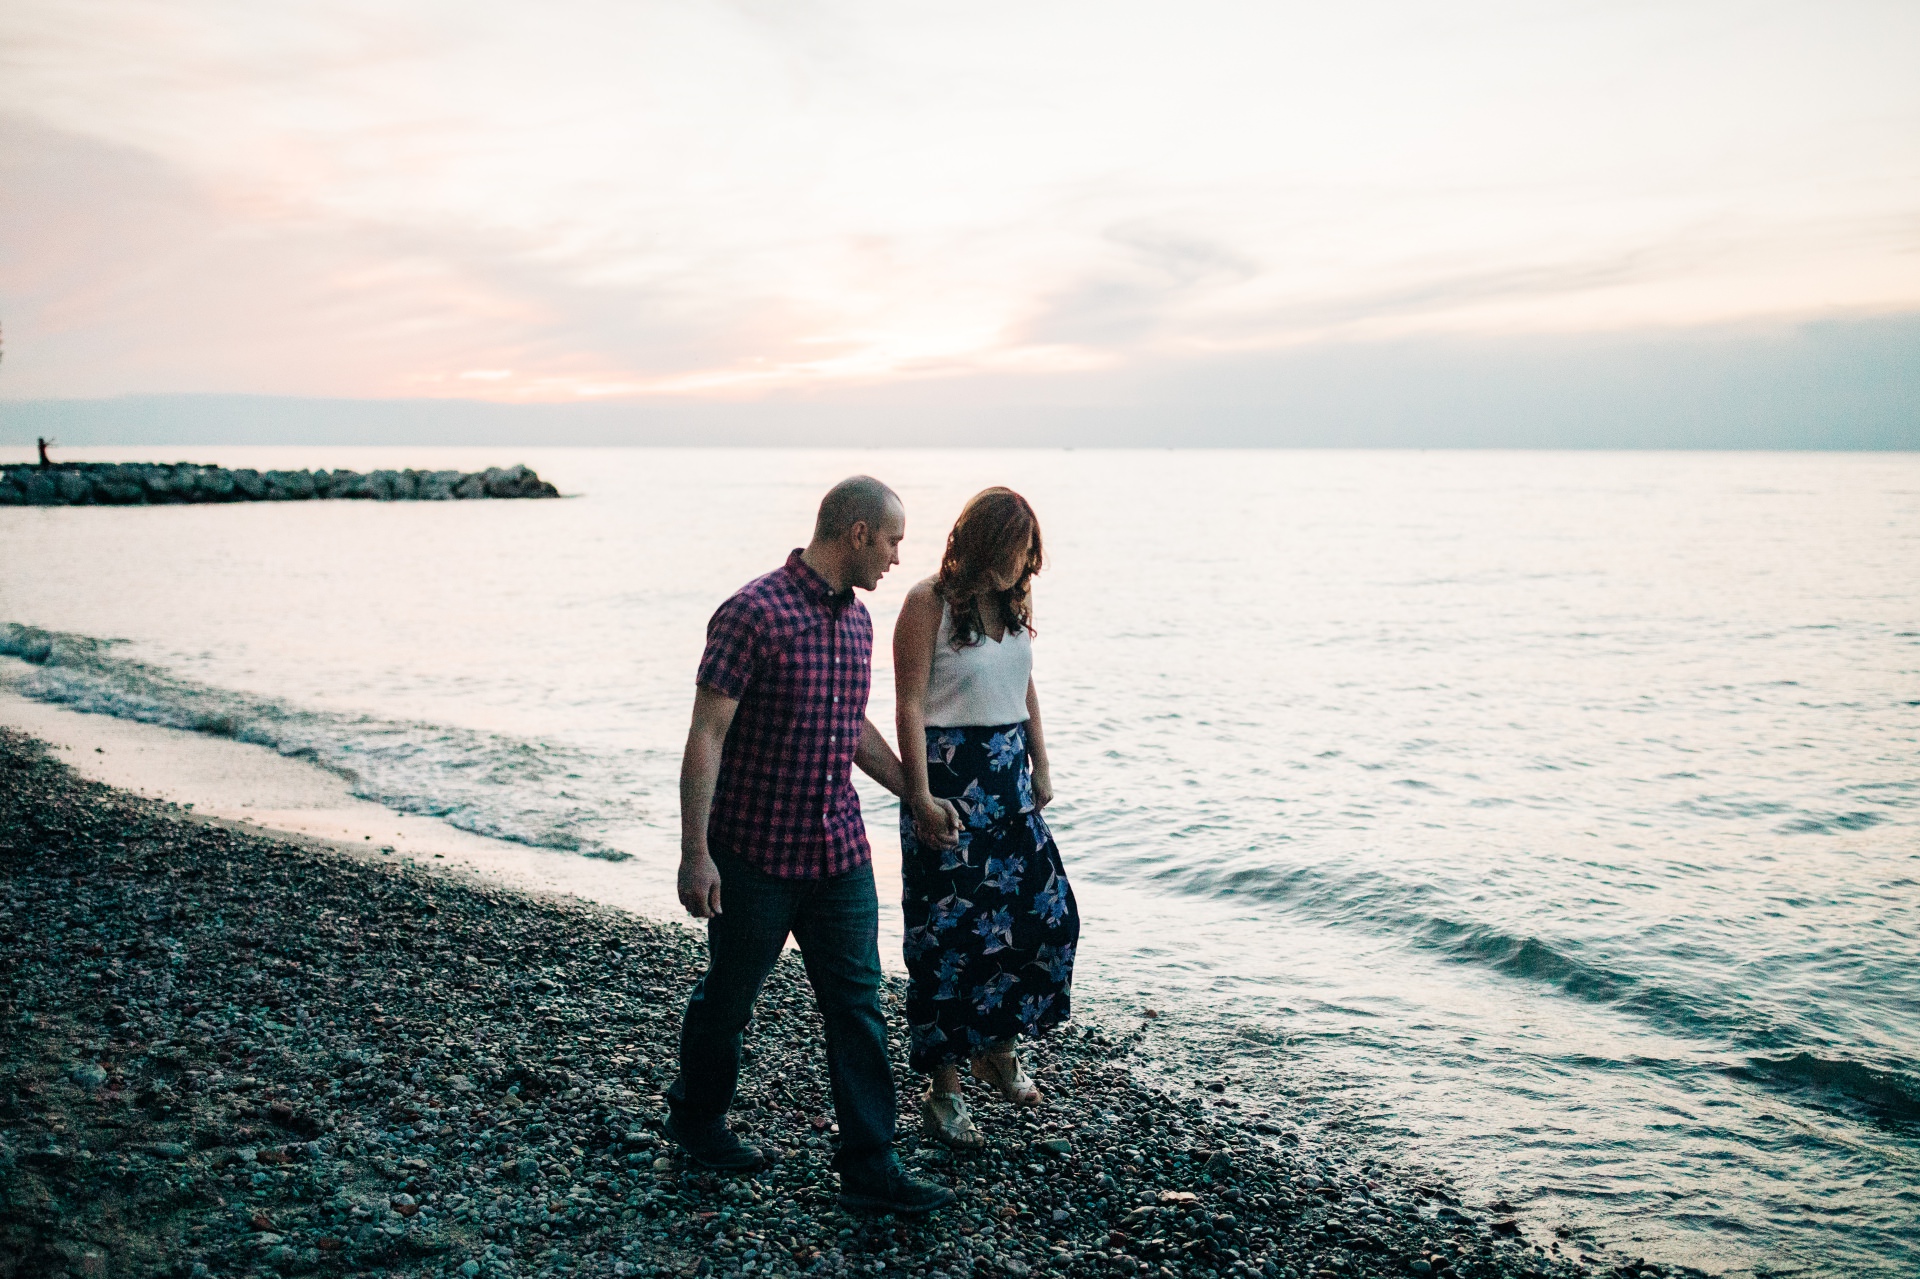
<point x="75" y="488"/>
<point x="437" y="486"/>
<point x="348" y="484"/>
<point x="160" y="486"/>
<point x="184" y="478"/>
<point x="517" y="481"/>
<point x="10" y="492"/>
<point x="40" y="489"/>
<point x="214" y="484"/>
<point x="289" y="486"/>
<point x="471" y="486"/>
<point x="395" y="486"/>
<point x="249" y="483"/>
<point x="120" y="486"/>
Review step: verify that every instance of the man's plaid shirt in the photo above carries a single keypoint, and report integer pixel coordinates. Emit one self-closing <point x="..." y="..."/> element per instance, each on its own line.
<point x="799" y="660"/>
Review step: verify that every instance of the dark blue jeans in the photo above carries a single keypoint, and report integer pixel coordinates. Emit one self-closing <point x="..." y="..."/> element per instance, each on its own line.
<point x="836" y="921"/>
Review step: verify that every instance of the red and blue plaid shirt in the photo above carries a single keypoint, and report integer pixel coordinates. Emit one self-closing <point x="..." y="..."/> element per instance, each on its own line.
<point x="799" y="660"/>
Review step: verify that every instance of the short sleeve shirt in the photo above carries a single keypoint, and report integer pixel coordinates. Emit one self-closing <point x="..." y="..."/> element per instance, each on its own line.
<point x="799" y="660"/>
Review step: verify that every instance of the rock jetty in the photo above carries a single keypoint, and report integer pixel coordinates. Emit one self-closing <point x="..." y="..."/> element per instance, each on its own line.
<point x="231" y="1055"/>
<point x="157" y="484"/>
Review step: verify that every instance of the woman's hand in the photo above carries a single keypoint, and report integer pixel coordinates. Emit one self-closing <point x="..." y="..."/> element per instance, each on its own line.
<point x="936" y="821"/>
<point x="1042" y="787"/>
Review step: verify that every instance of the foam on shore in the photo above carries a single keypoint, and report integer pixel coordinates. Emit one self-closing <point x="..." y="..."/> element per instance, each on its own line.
<point x="227" y="780"/>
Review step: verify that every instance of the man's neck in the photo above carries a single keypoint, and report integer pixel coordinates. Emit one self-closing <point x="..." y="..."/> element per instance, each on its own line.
<point x="824" y="559"/>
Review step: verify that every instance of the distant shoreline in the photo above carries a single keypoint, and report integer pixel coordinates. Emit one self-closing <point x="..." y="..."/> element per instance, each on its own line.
<point x="193" y="483"/>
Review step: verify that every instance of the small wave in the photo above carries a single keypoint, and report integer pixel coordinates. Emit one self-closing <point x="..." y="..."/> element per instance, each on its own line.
<point x="1695" y="1011"/>
<point x="1890" y="1093"/>
<point x="1419" y="913"/>
<point x="487" y="783"/>
<point x="1830" y="823"/>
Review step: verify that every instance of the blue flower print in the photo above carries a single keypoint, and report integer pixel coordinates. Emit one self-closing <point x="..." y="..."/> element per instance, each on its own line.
<point x="956" y="857"/>
<point x="989" y="923"/>
<point x="1003" y="873"/>
<point x="981" y="808"/>
<point x="1057" y="960"/>
<point x="942" y="743"/>
<point x="1032" y="1008"/>
<point x="997" y="928"/>
<point x="988" y="994"/>
<point x="947" y="912"/>
<point x="1050" y="903"/>
<point x="1004" y="750"/>
<point x="952" y="964"/>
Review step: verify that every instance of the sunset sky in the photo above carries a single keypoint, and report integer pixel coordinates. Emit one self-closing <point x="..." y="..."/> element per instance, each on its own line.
<point x="597" y="200"/>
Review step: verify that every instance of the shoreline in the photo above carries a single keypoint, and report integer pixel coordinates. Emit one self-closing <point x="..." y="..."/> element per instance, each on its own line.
<point x="237" y="1054"/>
<point x="255" y="787"/>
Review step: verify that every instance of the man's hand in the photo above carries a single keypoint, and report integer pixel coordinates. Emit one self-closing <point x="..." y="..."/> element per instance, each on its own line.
<point x="699" y="881"/>
<point x="936" y="821"/>
<point x="700" y="885"/>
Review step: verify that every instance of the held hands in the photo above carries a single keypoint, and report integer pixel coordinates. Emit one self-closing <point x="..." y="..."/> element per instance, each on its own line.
<point x="699" y="885"/>
<point x="935" y="821"/>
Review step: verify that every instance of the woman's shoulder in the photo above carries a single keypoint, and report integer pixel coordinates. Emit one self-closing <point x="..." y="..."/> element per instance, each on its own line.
<point x="923" y="606"/>
<point x="925" y="594"/>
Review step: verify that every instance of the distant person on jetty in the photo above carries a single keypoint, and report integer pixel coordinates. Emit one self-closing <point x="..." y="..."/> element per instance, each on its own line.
<point x="991" y="924"/>
<point x="772" y="842"/>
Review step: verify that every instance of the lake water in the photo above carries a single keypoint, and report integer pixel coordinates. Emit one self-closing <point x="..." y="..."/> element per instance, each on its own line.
<point x="1550" y="818"/>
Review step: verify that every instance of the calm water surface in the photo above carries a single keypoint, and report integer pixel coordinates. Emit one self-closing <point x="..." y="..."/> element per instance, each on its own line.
<point x="1553" y="818"/>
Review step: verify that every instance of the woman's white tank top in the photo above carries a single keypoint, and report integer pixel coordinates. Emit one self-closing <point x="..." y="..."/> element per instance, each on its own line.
<point x="981" y="685"/>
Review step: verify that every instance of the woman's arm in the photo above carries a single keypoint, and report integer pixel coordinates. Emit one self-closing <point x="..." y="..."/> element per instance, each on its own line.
<point x="914" y="635"/>
<point x="1037" y="748"/>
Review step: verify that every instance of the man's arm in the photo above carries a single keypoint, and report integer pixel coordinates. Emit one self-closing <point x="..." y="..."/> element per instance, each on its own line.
<point x="699" y="880"/>
<point x="877" y="760"/>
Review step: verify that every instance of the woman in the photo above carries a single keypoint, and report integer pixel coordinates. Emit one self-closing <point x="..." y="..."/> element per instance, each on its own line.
<point x="990" y="921"/>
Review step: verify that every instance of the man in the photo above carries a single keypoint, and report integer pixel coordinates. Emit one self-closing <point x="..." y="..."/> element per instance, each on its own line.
<point x="772" y="841"/>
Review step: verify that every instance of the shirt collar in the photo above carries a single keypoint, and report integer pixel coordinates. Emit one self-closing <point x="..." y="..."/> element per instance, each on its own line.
<point x="813" y="584"/>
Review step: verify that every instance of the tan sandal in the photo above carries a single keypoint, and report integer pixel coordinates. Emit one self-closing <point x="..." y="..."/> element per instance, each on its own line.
<point x="1002" y="1071"/>
<point x="949" y="1123"/>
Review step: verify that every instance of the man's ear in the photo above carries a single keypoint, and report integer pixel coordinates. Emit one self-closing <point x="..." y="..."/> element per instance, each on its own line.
<point x="860" y="534"/>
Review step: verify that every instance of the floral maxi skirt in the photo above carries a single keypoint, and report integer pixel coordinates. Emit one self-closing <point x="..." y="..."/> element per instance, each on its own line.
<point x="991" y="923"/>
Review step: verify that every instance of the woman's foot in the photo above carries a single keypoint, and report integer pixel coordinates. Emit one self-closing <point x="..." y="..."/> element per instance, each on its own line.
<point x="1000" y="1069"/>
<point x="948" y="1121"/>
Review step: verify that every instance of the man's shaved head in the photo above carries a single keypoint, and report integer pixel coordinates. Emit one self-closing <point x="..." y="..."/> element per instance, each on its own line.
<point x="853" y="500"/>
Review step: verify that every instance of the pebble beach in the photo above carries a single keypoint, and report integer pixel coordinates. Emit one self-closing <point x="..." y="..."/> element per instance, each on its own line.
<point x="228" y="1053"/>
